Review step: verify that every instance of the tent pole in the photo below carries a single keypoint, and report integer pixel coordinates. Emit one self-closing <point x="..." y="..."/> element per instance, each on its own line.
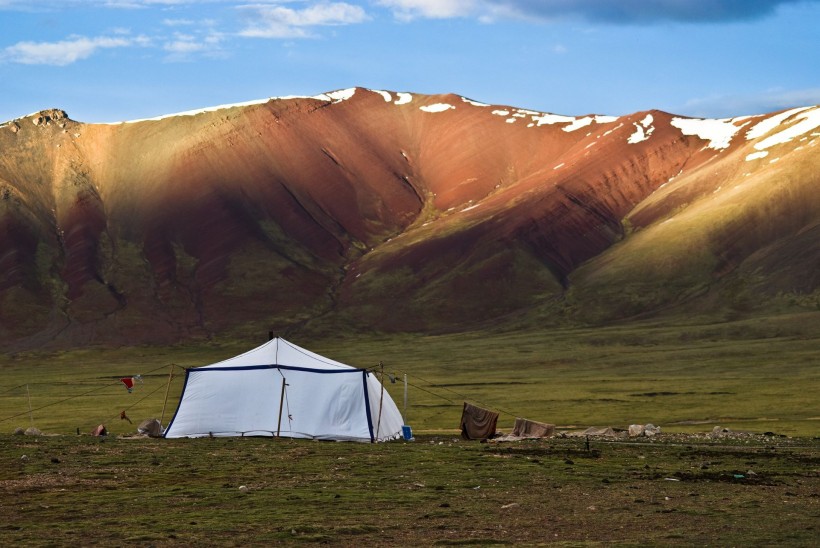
<point x="405" y="398"/>
<point x="281" y="405"/>
<point x="167" y="389"/>
<point x="381" y="399"/>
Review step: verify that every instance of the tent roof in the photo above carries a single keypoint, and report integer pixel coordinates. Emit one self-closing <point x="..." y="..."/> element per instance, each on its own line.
<point x="278" y="351"/>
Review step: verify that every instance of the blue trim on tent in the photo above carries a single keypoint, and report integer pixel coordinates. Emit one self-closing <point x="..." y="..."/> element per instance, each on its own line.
<point x="288" y="367"/>
<point x="367" y="407"/>
<point x="179" y="404"/>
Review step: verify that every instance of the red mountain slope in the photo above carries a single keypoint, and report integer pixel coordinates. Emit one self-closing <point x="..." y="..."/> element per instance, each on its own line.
<point x="391" y="211"/>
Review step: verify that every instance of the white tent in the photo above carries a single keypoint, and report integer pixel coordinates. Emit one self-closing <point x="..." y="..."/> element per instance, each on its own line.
<point x="280" y="389"/>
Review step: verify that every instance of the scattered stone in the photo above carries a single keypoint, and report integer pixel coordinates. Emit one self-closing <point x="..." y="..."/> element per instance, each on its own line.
<point x="719" y="432"/>
<point x="19" y="431"/>
<point x="651" y="430"/>
<point x="99" y="431"/>
<point x="243" y="487"/>
<point x="32" y="431"/>
<point x="24" y="458"/>
<point x="55" y="460"/>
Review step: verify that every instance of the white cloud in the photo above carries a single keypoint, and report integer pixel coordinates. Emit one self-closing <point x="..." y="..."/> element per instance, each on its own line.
<point x="183" y="46"/>
<point x="63" y="52"/>
<point x="276" y="21"/>
<point x="432" y="9"/>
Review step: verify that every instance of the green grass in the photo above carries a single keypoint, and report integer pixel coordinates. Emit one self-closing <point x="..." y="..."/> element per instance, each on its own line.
<point x="79" y="490"/>
<point x="757" y="374"/>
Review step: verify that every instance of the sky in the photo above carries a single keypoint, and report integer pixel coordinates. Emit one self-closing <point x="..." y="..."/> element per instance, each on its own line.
<point x="115" y="60"/>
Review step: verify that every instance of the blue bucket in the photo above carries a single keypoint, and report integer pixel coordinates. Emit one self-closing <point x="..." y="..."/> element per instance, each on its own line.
<point x="407" y="432"/>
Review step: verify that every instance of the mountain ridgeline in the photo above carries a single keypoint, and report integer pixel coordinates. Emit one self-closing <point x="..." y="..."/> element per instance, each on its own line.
<point x="377" y="210"/>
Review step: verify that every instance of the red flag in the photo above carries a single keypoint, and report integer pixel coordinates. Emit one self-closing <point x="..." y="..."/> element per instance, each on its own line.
<point x="128" y="382"/>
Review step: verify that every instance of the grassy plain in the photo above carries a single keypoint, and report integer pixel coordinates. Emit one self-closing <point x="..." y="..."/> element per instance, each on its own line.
<point x="759" y="375"/>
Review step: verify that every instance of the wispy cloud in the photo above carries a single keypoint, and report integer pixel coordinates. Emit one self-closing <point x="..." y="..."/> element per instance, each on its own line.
<point x="64" y="52"/>
<point x="277" y="21"/>
<point x="29" y="5"/>
<point x="434" y="9"/>
<point x="183" y="46"/>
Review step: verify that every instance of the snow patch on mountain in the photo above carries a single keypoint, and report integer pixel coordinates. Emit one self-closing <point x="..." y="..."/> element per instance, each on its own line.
<point x="386" y="95"/>
<point x="757" y="155"/>
<point x="599" y="119"/>
<point x="195" y="112"/>
<point x="438" y="107"/>
<point x="474" y="103"/>
<point x="810" y="120"/>
<point x="403" y="99"/>
<point x="767" y="125"/>
<point x="549" y="119"/>
<point x="333" y="96"/>
<point x="643" y="130"/>
<point x="719" y="133"/>
<point x="578" y="123"/>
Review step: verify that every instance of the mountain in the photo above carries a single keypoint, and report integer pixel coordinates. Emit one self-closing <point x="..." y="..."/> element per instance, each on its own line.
<point x="395" y="211"/>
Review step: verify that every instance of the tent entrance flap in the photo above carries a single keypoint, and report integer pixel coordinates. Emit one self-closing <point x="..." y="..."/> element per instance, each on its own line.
<point x="304" y="396"/>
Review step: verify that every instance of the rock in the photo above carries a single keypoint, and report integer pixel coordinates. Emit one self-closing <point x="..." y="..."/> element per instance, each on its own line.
<point x="19" y="431"/>
<point x="636" y="430"/>
<point x="719" y="432"/>
<point x="32" y="431"/>
<point x="99" y="431"/>
<point x="651" y="430"/>
<point x="44" y="117"/>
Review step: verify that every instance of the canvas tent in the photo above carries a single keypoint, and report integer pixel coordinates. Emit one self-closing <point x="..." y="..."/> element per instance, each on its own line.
<point x="320" y="399"/>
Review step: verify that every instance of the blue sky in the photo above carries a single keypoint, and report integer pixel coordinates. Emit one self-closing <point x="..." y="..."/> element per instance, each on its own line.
<point x="112" y="60"/>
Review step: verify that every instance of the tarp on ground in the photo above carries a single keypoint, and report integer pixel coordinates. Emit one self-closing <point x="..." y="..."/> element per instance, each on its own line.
<point x="322" y="398"/>
<point x="525" y="428"/>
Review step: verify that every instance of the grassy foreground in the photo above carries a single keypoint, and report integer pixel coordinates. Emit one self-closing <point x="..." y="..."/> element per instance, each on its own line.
<point x="761" y="488"/>
<point x="80" y="490"/>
